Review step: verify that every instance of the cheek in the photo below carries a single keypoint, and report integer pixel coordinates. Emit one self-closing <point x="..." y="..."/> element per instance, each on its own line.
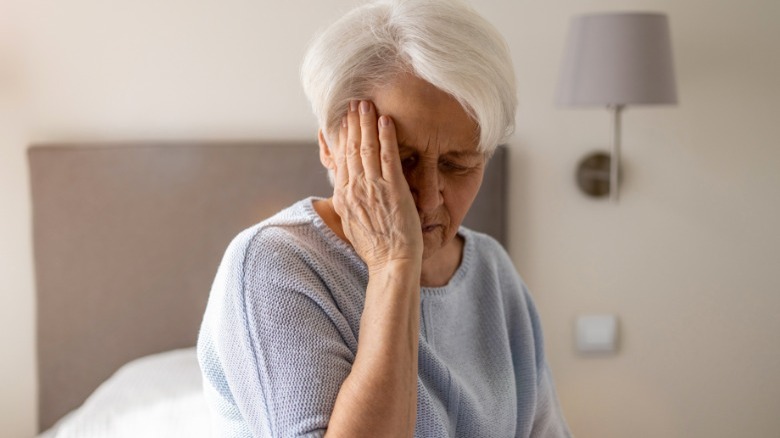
<point x="459" y="196"/>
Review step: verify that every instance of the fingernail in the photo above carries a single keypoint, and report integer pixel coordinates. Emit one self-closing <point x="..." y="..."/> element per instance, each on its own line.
<point x="353" y="105"/>
<point x="384" y="121"/>
<point x="343" y="122"/>
<point x="364" y="108"/>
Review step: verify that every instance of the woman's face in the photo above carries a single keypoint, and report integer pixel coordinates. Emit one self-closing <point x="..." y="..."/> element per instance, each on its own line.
<point x="437" y="142"/>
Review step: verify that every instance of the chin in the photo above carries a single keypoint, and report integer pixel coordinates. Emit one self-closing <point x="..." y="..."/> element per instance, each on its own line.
<point x="433" y="242"/>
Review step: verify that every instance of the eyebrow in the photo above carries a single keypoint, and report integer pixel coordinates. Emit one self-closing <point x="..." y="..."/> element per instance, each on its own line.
<point x="458" y="154"/>
<point x="467" y="154"/>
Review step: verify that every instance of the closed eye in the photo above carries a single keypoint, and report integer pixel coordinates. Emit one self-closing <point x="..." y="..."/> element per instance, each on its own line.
<point x="451" y="166"/>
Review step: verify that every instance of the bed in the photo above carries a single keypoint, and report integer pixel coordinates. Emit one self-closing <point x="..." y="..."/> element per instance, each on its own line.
<point x="127" y="239"/>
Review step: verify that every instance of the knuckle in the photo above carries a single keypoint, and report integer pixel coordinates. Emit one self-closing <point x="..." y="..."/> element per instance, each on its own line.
<point x="367" y="148"/>
<point x="353" y="148"/>
<point x="388" y="158"/>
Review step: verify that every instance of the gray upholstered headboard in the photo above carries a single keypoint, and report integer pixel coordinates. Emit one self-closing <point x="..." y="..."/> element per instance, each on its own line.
<point x="127" y="239"/>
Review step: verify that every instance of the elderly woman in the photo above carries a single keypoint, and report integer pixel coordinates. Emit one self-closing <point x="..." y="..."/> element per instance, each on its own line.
<point x="373" y="312"/>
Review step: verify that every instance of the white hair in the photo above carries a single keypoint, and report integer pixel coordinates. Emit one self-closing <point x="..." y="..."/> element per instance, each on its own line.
<point x="443" y="42"/>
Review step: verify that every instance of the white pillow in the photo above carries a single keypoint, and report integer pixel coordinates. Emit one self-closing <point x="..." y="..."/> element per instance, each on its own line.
<point x="155" y="396"/>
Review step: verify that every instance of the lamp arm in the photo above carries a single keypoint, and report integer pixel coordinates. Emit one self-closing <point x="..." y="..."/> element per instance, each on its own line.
<point x="614" y="162"/>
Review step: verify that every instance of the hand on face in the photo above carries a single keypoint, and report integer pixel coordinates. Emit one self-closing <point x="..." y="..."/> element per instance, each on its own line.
<point x="371" y="195"/>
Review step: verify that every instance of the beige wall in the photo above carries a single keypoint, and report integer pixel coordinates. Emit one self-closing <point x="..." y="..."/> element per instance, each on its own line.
<point x="688" y="260"/>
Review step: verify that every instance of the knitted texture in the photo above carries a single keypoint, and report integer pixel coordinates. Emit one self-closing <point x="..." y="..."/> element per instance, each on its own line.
<point x="281" y="328"/>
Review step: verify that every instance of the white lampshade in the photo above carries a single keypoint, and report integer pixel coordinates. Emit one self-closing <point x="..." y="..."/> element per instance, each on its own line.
<point x="618" y="59"/>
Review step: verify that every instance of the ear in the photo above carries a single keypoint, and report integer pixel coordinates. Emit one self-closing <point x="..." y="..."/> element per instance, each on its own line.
<point x="326" y="154"/>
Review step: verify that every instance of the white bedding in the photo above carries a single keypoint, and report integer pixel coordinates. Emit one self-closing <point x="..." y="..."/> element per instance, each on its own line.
<point x="155" y="396"/>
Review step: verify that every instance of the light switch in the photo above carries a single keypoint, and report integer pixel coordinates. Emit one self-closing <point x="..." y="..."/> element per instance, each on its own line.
<point x="596" y="333"/>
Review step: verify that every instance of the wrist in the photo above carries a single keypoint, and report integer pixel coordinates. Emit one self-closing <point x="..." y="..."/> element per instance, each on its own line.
<point x="397" y="266"/>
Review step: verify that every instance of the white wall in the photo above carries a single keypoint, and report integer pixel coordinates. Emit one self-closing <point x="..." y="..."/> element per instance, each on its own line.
<point x="688" y="260"/>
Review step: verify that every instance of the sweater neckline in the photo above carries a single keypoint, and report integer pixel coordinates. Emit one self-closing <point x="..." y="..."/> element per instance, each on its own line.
<point x="330" y="235"/>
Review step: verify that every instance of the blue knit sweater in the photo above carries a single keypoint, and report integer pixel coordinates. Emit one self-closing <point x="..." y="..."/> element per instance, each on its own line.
<point x="280" y="334"/>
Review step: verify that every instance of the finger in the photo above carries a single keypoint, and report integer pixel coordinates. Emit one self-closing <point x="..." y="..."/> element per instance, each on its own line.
<point x="342" y="175"/>
<point x="389" y="156"/>
<point x="354" y="162"/>
<point x="369" y="143"/>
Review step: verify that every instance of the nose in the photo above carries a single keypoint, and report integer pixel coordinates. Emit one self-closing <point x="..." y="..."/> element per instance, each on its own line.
<point x="426" y="186"/>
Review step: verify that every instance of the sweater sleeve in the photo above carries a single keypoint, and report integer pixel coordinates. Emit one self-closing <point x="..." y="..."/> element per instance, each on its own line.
<point x="272" y="345"/>
<point x="534" y="380"/>
<point x="548" y="418"/>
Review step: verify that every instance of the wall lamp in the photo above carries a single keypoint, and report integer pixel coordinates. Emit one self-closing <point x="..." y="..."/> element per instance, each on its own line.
<point x="614" y="60"/>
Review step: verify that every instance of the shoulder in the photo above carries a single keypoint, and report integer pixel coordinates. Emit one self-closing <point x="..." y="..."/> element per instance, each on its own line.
<point x="278" y="233"/>
<point x="267" y="253"/>
<point x="486" y="251"/>
<point x="492" y="264"/>
<point x="280" y="266"/>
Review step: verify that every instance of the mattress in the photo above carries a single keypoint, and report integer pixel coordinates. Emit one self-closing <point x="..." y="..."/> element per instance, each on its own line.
<point x="160" y="395"/>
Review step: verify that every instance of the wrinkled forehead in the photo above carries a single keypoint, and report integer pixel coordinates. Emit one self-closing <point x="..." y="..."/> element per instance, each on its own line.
<point x="426" y="118"/>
